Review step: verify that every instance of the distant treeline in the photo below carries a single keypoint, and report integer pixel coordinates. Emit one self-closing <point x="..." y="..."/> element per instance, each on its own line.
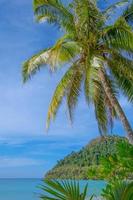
<point x="77" y="164"/>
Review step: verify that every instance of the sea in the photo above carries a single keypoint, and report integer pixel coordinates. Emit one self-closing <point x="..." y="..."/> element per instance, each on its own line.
<point x="28" y="189"/>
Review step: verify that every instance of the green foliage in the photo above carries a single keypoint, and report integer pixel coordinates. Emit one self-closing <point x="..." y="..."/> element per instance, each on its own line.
<point x="93" y="161"/>
<point x="124" y="75"/>
<point x="67" y="82"/>
<point x="119" y="165"/>
<point x="118" y="190"/>
<point x="61" y="190"/>
<point x="91" y="44"/>
<point x="54" y="12"/>
<point x="112" y="8"/>
<point x="119" y="35"/>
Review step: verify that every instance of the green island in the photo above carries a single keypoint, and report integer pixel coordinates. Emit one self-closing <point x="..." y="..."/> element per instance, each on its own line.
<point x="89" y="162"/>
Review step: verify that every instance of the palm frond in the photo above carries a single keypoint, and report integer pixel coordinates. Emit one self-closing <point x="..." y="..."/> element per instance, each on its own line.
<point x="54" y="12"/>
<point x="88" y="83"/>
<point x="74" y="91"/>
<point x="112" y="8"/>
<point x="94" y="92"/>
<point x="63" y="51"/>
<point x="119" y="36"/>
<point x="87" y="18"/>
<point x="31" y="66"/>
<point x="63" y="190"/>
<point x="122" y="70"/>
<point x="59" y="93"/>
<point x="100" y="108"/>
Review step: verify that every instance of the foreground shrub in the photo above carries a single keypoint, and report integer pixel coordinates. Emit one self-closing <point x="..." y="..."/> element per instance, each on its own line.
<point x="63" y="190"/>
<point x="118" y="190"/>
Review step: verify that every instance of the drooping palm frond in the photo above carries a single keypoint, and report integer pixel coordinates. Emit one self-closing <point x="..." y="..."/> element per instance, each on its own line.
<point x="54" y="12"/>
<point x="60" y="92"/>
<point x="63" y="51"/>
<point x="104" y="110"/>
<point x="119" y="36"/>
<point x="33" y="64"/>
<point x="122" y="70"/>
<point x="100" y="108"/>
<point x="63" y="190"/>
<point x="74" y="91"/>
<point x="113" y="7"/>
<point x="95" y="93"/>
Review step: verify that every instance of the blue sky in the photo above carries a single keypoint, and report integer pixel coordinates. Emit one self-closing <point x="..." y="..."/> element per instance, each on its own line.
<point x="26" y="150"/>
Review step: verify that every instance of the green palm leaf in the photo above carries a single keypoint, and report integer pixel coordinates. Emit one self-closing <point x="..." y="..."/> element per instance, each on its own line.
<point x="122" y="70"/>
<point x="33" y="64"/>
<point x="62" y="190"/>
<point x="119" y="36"/>
<point x="112" y="8"/>
<point x="63" y="51"/>
<point x="60" y="92"/>
<point x="74" y="91"/>
<point x="54" y="12"/>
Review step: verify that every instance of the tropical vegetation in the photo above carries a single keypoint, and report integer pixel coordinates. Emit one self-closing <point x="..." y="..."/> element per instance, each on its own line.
<point x="97" y="53"/>
<point x="63" y="190"/>
<point x="103" y="158"/>
<point x="70" y="190"/>
<point x="118" y="166"/>
<point x="118" y="190"/>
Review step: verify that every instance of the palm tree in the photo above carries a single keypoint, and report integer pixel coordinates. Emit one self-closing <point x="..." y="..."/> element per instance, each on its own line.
<point x="98" y="53"/>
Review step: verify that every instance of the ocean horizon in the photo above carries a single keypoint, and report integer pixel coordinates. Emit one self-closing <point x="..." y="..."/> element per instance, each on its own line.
<point x="28" y="188"/>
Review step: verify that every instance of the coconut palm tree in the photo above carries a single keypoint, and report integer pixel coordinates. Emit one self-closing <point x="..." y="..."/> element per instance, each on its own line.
<point x="98" y="53"/>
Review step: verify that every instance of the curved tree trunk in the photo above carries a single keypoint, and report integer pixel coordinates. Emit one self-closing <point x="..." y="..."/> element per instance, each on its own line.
<point x="117" y="106"/>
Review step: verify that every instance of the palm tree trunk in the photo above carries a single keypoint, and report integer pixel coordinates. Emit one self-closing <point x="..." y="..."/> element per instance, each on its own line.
<point x="117" y="106"/>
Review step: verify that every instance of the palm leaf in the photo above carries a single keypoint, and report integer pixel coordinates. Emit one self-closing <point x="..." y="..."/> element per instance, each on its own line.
<point x="122" y="70"/>
<point x="94" y="92"/>
<point x="62" y="190"/>
<point x="74" y="91"/>
<point x="60" y="92"/>
<point x="33" y="64"/>
<point x="111" y="9"/>
<point x="63" y="51"/>
<point x="54" y="12"/>
<point x="119" y="36"/>
<point x="100" y="108"/>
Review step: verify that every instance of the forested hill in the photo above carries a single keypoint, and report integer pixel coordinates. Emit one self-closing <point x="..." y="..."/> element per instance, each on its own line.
<point x="77" y="164"/>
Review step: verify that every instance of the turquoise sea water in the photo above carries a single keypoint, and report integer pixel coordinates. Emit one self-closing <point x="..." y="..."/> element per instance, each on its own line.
<point x="27" y="189"/>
